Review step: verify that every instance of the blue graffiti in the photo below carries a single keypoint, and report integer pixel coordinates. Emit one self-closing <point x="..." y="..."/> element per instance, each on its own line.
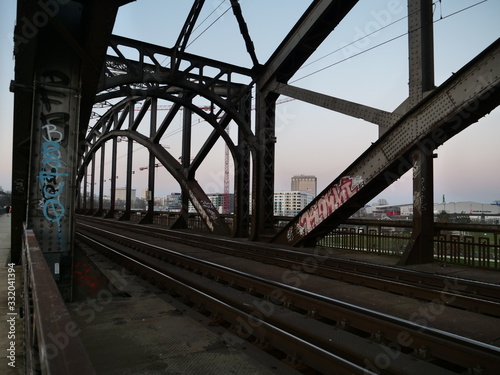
<point x="51" y="179"/>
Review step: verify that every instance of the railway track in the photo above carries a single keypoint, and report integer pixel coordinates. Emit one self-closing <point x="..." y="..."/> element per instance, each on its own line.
<point x="324" y="334"/>
<point x="460" y="293"/>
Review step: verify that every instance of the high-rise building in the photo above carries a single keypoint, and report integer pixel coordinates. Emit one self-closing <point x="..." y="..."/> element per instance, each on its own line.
<point x="290" y="203"/>
<point x="121" y="194"/>
<point x="217" y="200"/>
<point x="304" y="183"/>
<point x="173" y="202"/>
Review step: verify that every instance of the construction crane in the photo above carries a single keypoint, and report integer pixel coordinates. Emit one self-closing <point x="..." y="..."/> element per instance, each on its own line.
<point x="225" y="207"/>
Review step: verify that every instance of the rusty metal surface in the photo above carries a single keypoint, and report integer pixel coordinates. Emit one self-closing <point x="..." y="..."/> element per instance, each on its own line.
<point x="473" y="295"/>
<point x="447" y="347"/>
<point x="459" y="102"/>
<point x="130" y="327"/>
<point x="51" y="333"/>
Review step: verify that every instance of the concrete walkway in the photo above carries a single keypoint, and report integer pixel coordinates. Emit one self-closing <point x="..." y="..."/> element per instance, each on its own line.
<point x="11" y="324"/>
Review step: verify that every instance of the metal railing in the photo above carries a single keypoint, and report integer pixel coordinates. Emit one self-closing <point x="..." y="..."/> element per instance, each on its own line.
<point x="52" y="344"/>
<point x="378" y="240"/>
<point x="467" y="244"/>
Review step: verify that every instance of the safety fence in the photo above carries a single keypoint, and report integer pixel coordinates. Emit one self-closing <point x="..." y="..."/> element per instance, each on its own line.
<point x="52" y="344"/>
<point x="468" y="244"/>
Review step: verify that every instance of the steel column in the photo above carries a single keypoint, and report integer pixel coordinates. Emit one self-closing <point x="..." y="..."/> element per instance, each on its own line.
<point x="130" y="150"/>
<point x="148" y="219"/>
<point x="54" y="139"/>
<point x="420" y="248"/>
<point x="185" y="34"/>
<point x="101" y="181"/>
<point x="85" y="191"/>
<point x="263" y="167"/>
<point x="241" y="221"/>
<point x="244" y="31"/>
<point x="92" y="185"/>
<point x="111" y="212"/>
<point x="186" y="159"/>
<point x="182" y="221"/>
<point x="421" y="79"/>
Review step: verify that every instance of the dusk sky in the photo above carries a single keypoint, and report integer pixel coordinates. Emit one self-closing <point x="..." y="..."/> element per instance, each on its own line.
<point x="364" y="60"/>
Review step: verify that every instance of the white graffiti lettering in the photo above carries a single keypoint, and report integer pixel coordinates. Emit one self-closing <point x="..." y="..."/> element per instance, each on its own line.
<point x="329" y="202"/>
<point x="50" y="177"/>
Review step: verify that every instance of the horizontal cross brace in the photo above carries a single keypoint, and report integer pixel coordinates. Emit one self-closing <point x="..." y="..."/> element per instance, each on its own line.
<point x="370" y="114"/>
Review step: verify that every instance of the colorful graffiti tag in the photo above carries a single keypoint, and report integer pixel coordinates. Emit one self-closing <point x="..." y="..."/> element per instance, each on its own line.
<point x="327" y="203"/>
<point x="52" y="176"/>
<point x="51" y="179"/>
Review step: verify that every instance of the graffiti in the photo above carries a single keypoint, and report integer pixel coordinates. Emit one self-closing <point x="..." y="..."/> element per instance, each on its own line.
<point x="205" y="209"/>
<point x="19" y="183"/>
<point x="416" y="168"/>
<point x="51" y="179"/>
<point x="329" y="202"/>
<point x="87" y="279"/>
<point x="52" y="176"/>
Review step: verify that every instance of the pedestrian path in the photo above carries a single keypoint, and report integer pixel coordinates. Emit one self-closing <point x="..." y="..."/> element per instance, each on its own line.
<point x="11" y="323"/>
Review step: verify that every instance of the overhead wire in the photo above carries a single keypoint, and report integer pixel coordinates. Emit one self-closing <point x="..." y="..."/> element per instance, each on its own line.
<point x="330" y="53"/>
<point x="377" y="45"/>
<point x="209" y="26"/>
<point x="202" y="22"/>
<point x="207" y="17"/>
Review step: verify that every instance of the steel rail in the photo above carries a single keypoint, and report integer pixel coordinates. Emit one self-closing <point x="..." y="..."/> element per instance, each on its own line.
<point x="458" y="292"/>
<point x="316" y="357"/>
<point x="440" y="344"/>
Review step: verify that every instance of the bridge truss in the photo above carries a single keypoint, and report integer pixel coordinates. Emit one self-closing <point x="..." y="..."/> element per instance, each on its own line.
<point x="50" y="183"/>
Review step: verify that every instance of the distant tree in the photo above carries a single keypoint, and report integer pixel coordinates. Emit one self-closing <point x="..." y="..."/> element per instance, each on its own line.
<point x="139" y="204"/>
<point x="463" y="218"/>
<point x="382" y="202"/>
<point x="5" y="198"/>
<point x="120" y="204"/>
<point x="443" y="217"/>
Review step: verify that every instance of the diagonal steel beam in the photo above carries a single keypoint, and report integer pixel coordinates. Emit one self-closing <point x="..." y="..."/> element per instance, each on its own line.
<point x="244" y="31"/>
<point x="210" y="143"/>
<point x="187" y="29"/>
<point x="311" y="30"/>
<point x="198" y="197"/>
<point x="370" y="114"/>
<point x="462" y="100"/>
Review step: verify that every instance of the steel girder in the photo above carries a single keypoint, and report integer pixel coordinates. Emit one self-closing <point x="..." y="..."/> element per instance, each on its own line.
<point x="374" y="115"/>
<point x="310" y="31"/>
<point x="185" y="34"/>
<point x="55" y="84"/>
<point x="111" y="126"/>
<point x="462" y="100"/>
<point x="421" y="80"/>
<point x="147" y="69"/>
<point x="190" y="187"/>
<point x="81" y="31"/>
<point x="147" y="77"/>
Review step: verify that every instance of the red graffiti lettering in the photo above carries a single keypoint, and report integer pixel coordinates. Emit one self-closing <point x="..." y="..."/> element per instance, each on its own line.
<point x="328" y="203"/>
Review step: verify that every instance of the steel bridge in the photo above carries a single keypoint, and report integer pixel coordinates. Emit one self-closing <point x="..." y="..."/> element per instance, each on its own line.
<point x="72" y="64"/>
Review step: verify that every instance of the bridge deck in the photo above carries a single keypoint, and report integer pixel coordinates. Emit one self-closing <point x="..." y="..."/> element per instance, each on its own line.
<point x="142" y="328"/>
<point x="131" y="327"/>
